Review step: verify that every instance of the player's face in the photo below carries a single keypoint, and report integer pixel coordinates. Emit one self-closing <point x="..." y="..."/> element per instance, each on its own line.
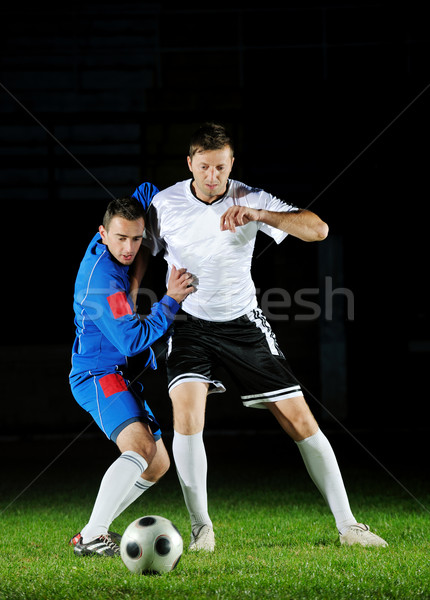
<point x="123" y="238"/>
<point x="211" y="171"/>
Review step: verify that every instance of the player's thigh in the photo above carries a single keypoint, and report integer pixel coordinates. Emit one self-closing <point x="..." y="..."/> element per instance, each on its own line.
<point x="189" y="406"/>
<point x="137" y="437"/>
<point x="295" y="417"/>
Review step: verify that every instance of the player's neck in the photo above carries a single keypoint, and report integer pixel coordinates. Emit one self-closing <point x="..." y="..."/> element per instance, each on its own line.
<point x="206" y="199"/>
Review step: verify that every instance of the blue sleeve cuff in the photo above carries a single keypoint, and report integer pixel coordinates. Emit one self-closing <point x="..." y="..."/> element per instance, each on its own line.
<point x="170" y="306"/>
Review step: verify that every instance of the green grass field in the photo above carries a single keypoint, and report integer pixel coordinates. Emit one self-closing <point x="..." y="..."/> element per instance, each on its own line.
<point x="275" y="537"/>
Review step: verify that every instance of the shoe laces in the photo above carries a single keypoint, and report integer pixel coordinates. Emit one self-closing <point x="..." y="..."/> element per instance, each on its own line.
<point x="109" y="542"/>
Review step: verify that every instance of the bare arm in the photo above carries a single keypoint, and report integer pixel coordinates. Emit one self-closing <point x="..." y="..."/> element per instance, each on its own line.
<point x="303" y="224"/>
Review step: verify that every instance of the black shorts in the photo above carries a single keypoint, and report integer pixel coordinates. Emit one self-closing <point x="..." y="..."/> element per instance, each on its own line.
<point x="245" y="347"/>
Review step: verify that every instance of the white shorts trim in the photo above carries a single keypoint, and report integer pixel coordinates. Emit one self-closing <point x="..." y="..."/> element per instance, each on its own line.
<point x="261" y="400"/>
<point x="257" y="317"/>
<point x="215" y="386"/>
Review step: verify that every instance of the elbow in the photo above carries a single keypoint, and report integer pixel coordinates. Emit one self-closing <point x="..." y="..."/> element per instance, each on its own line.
<point x="316" y="233"/>
<point x="130" y="351"/>
<point x="134" y="349"/>
<point x="315" y="230"/>
<point x="321" y="232"/>
<point x="126" y="350"/>
<point x="130" y="348"/>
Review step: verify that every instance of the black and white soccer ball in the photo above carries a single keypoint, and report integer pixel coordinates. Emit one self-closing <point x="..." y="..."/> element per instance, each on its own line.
<point x="151" y="545"/>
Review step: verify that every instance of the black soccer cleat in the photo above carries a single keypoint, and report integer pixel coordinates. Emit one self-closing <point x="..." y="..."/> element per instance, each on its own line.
<point x="101" y="546"/>
<point x="115" y="537"/>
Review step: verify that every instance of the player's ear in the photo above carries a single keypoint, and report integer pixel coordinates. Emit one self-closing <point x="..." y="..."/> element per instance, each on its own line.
<point x="103" y="233"/>
<point x="189" y="164"/>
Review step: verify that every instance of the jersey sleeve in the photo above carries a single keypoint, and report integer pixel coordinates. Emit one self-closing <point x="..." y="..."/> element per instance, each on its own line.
<point x="107" y="305"/>
<point x="152" y="238"/>
<point x="145" y="193"/>
<point x="272" y="203"/>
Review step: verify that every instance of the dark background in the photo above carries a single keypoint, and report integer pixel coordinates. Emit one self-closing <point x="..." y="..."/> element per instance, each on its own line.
<point x="329" y="108"/>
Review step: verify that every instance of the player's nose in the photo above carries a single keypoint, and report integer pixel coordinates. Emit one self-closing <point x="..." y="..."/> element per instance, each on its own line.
<point x="212" y="173"/>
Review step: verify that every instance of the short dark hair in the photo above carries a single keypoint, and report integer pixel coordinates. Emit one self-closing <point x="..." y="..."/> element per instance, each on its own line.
<point x="210" y="136"/>
<point x="127" y="208"/>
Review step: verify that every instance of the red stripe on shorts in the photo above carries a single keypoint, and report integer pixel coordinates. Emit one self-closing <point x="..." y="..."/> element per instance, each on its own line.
<point x="119" y="305"/>
<point x="112" y="383"/>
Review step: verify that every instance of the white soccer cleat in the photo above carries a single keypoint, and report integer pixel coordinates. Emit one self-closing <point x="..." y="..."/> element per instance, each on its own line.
<point x="203" y="540"/>
<point x="361" y="534"/>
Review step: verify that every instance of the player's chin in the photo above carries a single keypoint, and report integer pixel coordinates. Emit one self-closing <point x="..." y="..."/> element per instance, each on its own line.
<point x="213" y="190"/>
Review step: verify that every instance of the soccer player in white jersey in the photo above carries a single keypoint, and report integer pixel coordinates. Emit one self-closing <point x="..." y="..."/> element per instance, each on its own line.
<point x="208" y="224"/>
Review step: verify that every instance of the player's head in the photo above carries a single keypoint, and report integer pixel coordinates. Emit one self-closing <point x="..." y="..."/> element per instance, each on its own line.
<point x="122" y="229"/>
<point x="210" y="159"/>
<point x="126" y="208"/>
<point x="210" y="136"/>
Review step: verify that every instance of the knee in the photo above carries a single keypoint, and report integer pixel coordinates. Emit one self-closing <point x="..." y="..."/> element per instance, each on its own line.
<point x="146" y="448"/>
<point x="163" y="465"/>
<point x="188" y="424"/>
<point x="137" y="438"/>
<point x="159" y="465"/>
<point x="189" y="404"/>
<point x="304" y="427"/>
<point x="304" y="421"/>
<point x="295" y="418"/>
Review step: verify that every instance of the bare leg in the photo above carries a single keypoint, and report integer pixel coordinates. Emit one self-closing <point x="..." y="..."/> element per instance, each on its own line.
<point x="189" y="406"/>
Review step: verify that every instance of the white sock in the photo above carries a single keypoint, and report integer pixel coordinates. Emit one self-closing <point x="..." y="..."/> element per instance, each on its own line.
<point x="114" y="488"/>
<point x="323" y="469"/>
<point x="191" y="465"/>
<point x="140" y="486"/>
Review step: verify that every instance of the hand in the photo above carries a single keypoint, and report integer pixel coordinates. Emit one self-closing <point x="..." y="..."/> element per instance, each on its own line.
<point x="236" y="216"/>
<point x="180" y="285"/>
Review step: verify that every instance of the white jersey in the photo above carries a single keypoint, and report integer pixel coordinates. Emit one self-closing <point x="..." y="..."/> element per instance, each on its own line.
<point x="188" y="231"/>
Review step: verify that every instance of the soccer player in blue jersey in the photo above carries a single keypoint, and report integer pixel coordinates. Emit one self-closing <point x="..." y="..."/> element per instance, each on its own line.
<point x="107" y="332"/>
<point x="209" y="224"/>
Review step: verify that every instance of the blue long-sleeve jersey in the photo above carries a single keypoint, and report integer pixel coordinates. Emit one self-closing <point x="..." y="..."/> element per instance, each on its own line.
<point x="107" y="330"/>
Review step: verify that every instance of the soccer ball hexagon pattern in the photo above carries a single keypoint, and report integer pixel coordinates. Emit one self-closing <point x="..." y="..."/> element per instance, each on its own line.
<point x="151" y="545"/>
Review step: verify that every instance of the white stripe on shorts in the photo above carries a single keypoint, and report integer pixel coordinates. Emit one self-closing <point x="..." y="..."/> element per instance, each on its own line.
<point x="215" y="386"/>
<point x="169" y="346"/>
<point x="257" y="316"/>
<point x="261" y="400"/>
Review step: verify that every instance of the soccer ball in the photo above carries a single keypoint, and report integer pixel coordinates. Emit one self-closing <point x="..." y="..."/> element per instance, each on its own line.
<point x="151" y="545"/>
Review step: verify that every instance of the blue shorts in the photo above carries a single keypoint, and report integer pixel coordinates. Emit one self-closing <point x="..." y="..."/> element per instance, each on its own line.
<point x="113" y="402"/>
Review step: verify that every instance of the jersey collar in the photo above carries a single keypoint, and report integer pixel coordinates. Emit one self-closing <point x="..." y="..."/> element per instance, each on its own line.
<point x="215" y="201"/>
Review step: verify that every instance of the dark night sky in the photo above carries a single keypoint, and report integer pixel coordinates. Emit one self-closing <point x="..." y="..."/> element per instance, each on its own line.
<point x="328" y="104"/>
